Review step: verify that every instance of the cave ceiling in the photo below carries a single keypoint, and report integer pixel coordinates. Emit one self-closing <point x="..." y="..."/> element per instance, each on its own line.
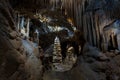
<point x="75" y="10"/>
<point x="111" y="7"/>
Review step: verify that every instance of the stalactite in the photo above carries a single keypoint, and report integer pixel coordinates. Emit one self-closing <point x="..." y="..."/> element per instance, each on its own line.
<point x="18" y="22"/>
<point x="52" y="3"/>
<point x="88" y="29"/>
<point x="93" y="29"/>
<point x="88" y="23"/>
<point x="99" y="34"/>
<point x="85" y="28"/>
<point x="79" y="17"/>
<point x="91" y="23"/>
<point x="22" y="22"/>
<point x="97" y="30"/>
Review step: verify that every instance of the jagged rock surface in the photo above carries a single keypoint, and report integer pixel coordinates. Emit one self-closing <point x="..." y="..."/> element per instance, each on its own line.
<point x="13" y="60"/>
<point x="12" y="54"/>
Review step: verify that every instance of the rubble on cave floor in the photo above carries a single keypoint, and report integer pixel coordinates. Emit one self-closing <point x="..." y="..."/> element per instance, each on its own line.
<point x="64" y="66"/>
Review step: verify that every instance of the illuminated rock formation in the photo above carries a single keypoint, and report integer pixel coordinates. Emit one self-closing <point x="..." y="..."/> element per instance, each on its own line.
<point x="21" y="23"/>
<point x="36" y="36"/>
<point x="57" y="57"/>
<point x="71" y="58"/>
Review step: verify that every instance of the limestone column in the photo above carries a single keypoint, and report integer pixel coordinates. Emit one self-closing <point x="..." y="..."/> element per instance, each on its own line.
<point x="28" y="24"/>
<point x="105" y="42"/>
<point x="18" y="22"/>
<point x="57" y="57"/>
<point x="113" y="40"/>
<point x="22" y="22"/>
<point x="118" y="41"/>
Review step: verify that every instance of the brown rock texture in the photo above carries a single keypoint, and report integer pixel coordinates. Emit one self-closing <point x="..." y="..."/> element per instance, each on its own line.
<point x="12" y="55"/>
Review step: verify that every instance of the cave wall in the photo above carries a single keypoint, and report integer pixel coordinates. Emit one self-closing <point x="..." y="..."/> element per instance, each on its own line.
<point x="91" y="16"/>
<point x="10" y="50"/>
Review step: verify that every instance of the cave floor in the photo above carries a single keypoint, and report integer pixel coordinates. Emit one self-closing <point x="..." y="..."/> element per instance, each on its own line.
<point x="64" y="66"/>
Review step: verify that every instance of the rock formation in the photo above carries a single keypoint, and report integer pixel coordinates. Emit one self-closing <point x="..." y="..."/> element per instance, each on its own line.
<point x="12" y="60"/>
<point x="57" y="57"/>
<point x="12" y="54"/>
<point x="19" y="58"/>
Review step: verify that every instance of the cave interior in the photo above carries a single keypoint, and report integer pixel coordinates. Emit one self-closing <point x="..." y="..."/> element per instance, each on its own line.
<point x="59" y="39"/>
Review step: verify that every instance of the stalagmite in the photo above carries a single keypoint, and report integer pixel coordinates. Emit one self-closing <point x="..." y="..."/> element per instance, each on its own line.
<point x="37" y="36"/>
<point x="57" y="57"/>
<point x="71" y="58"/>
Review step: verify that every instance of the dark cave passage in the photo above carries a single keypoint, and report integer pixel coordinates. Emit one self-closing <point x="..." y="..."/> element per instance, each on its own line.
<point x="59" y="40"/>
